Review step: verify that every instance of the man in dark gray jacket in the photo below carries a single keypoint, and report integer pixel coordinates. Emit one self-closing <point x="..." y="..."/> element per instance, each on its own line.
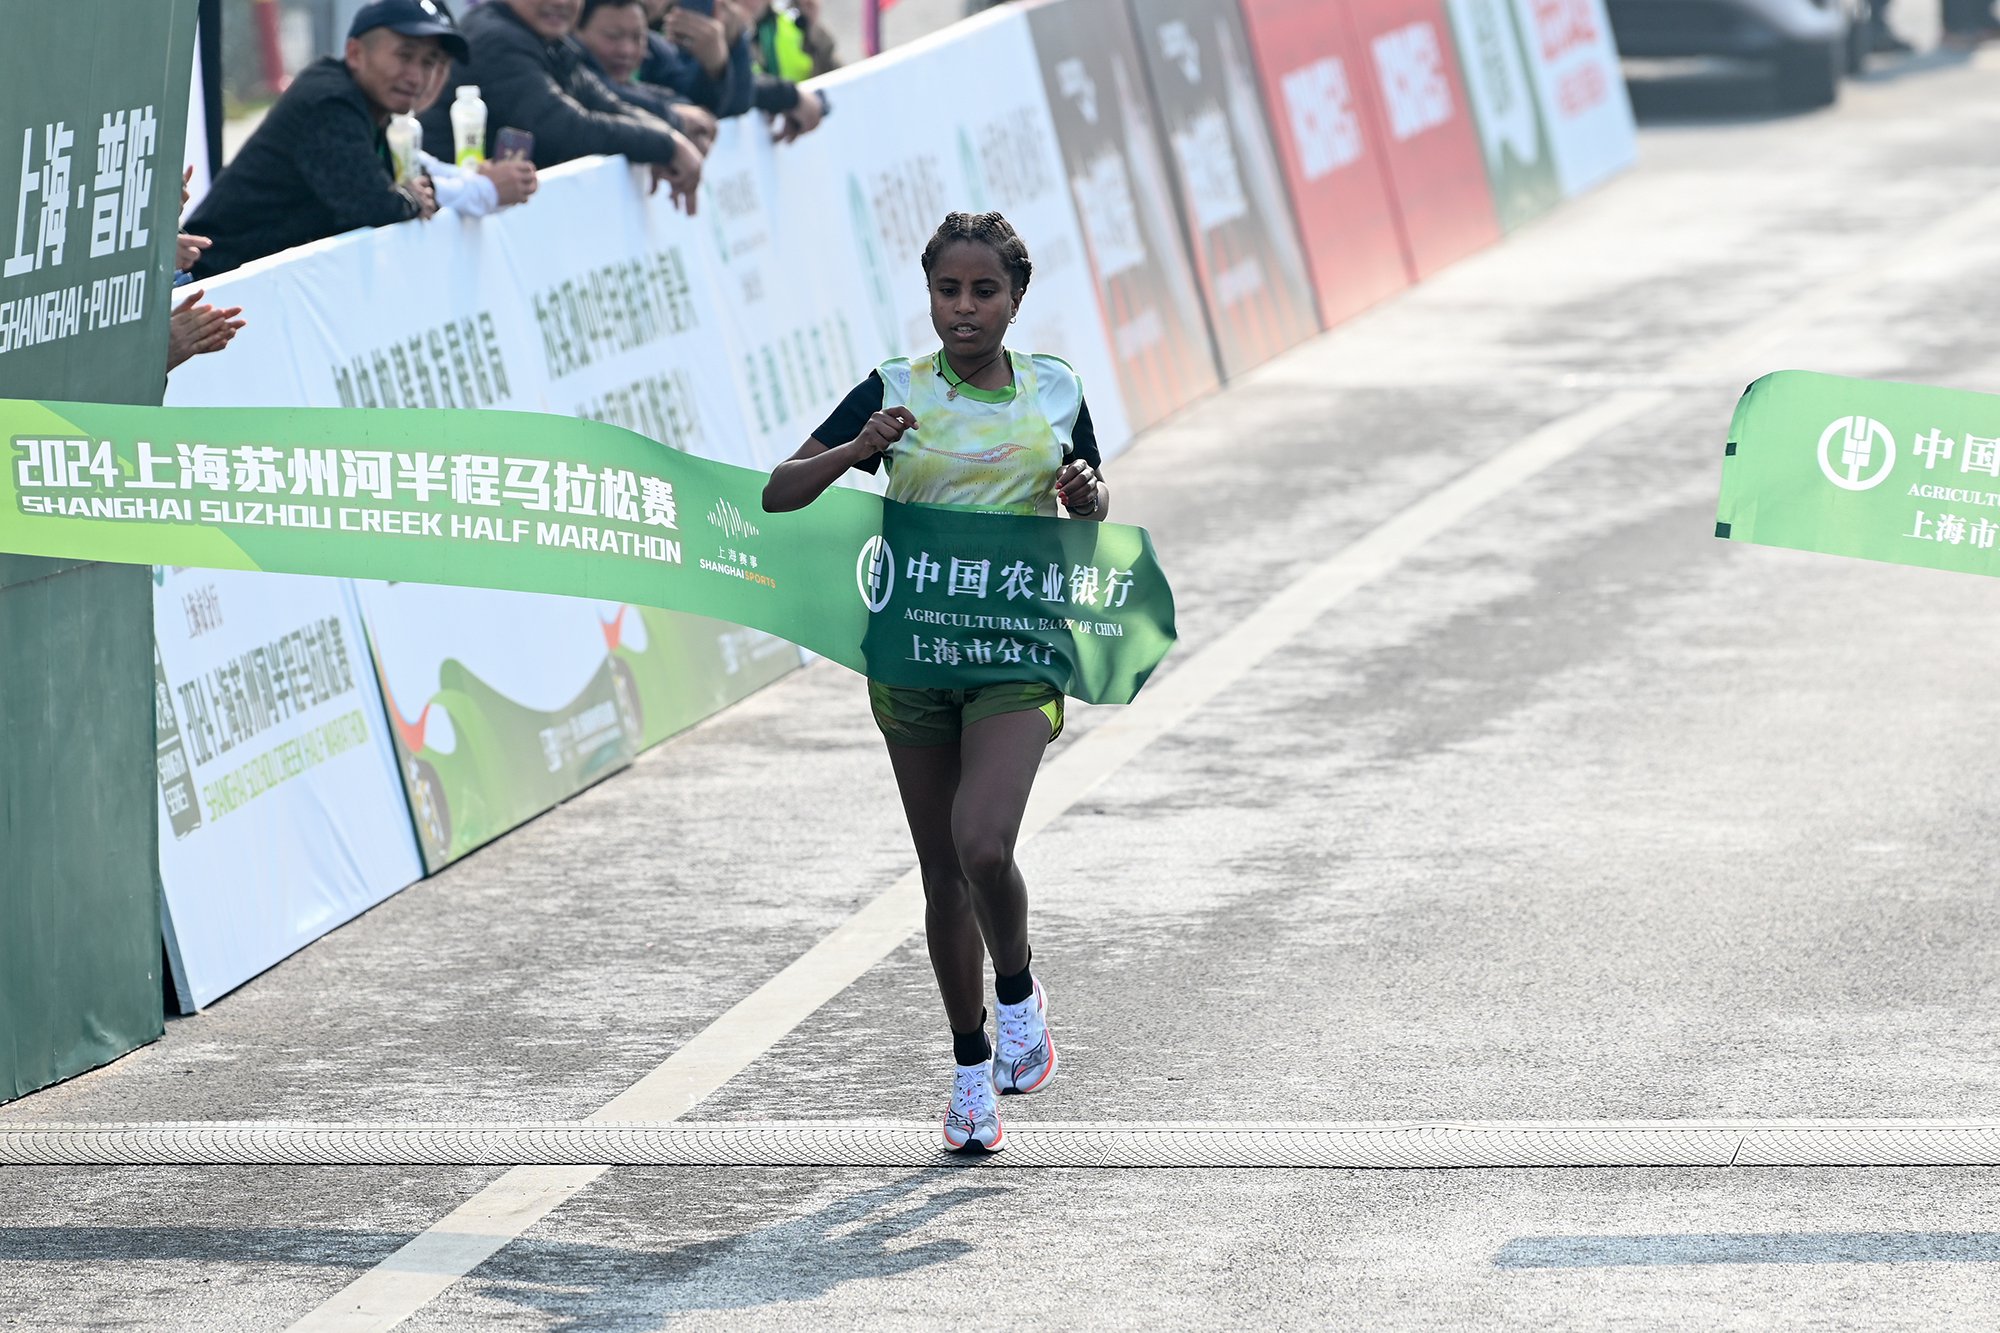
<point x="531" y="78"/>
<point x="319" y="165"/>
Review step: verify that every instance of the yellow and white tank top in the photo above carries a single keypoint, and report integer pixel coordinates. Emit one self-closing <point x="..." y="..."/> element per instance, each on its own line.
<point x="980" y="448"/>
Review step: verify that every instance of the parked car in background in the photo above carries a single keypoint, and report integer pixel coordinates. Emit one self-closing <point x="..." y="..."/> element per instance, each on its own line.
<point x="1808" y="44"/>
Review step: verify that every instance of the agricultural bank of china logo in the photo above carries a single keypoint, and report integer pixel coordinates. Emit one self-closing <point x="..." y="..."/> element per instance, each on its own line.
<point x="875" y="573"/>
<point x="1857" y="453"/>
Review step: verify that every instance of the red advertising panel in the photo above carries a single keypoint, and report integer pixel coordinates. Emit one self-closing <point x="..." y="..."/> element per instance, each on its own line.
<point x="1435" y="165"/>
<point x="1232" y="194"/>
<point x="1329" y="144"/>
<point x="1096" y="85"/>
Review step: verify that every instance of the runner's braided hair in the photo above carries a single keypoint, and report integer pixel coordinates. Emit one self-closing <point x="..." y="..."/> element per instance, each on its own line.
<point x="986" y="229"/>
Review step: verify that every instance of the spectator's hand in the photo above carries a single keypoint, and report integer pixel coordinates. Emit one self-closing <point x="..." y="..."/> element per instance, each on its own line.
<point x="682" y="175"/>
<point x="801" y="119"/>
<point x="703" y="37"/>
<point x="187" y="175"/>
<point x="193" y="329"/>
<point x="187" y="249"/>
<point x="423" y="195"/>
<point x="515" y="181"/>
<point x="736" y="20"/>
<point x="698" y="124"/>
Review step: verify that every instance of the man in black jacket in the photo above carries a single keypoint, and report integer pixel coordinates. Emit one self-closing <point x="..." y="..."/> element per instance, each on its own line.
<point x="532" y="78"/>
<point x="319" y="164"/>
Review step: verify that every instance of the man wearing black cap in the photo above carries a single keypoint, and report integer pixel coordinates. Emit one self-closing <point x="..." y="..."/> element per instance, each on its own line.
<point x="319" y="165"/>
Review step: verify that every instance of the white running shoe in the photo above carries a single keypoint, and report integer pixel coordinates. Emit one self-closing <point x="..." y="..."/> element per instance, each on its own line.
<point x="972" y="1121"/>
<point x="1025" y="1056"/>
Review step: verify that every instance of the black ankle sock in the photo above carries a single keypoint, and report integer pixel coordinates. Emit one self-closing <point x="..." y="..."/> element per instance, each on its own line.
<point x="1013" y="989"/>
<point x="971" y="1048"/>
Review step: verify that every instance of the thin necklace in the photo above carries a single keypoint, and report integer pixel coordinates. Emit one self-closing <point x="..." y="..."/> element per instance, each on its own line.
<point x="958" y="381"/>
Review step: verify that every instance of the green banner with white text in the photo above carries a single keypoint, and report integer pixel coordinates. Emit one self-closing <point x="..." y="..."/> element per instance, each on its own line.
<point x="912" y="595"/>
<point x="1867" y="468"/>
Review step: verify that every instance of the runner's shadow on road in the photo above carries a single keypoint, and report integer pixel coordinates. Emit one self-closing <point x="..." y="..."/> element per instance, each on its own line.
<point x="584" y="1286"/>
<point x="851" y="1239"/>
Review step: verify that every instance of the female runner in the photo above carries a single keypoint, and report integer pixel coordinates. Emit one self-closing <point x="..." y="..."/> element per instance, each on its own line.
<point x="965" y="759"/>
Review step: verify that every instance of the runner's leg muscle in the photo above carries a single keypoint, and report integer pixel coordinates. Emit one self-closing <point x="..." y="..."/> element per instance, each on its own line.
<point x="998" y="757"/>
<point x="927" y="777"/>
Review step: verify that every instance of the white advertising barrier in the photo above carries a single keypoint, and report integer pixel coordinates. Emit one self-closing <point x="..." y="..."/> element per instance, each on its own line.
<point x="792" y="311"/>
<point x="1581" y="87"/>
<point x="280" y="812"/>
<point x="623" y="310"/>
<point x="984" y="142"/>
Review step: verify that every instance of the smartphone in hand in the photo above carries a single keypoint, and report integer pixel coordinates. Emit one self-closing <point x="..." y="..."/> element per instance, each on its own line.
<point x="511" y="145"/>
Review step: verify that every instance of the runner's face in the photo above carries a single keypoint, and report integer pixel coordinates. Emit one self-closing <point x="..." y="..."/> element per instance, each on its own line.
<point x="971" y="301"/>
<point x="616" y="35"/>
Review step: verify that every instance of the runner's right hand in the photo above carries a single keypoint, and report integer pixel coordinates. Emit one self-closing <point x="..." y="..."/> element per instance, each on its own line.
<point x="884" y="428"/>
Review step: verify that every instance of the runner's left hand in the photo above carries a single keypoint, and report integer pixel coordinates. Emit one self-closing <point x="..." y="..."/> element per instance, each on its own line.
<point x="1077" y="485"/>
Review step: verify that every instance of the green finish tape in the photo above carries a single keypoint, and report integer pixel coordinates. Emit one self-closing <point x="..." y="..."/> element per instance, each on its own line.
<point x="913" y="595"/>
<point x="1881" y="471"/>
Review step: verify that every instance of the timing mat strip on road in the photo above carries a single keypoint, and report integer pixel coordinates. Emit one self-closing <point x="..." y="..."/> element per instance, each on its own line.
<point x="1391" y="1145"/>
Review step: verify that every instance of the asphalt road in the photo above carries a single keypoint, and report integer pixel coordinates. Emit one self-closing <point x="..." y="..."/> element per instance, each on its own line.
<point x="1571" y="813"/>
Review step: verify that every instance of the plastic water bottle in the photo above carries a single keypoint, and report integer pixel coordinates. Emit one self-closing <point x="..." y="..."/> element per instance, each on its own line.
<point x="468" y="125"/>
<point x="406" y="135"/>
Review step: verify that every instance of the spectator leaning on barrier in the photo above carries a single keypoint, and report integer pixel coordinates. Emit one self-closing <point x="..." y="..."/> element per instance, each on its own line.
<point x="319" y="165"/>
<point x="776" y="92"/>
<point x="698" y="57"/>
<point x="612" y="35"/>
<point x="532" y="78"/>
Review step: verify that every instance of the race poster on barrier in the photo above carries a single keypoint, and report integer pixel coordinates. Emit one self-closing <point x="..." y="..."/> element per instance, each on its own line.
<point x="897" y="176"/>
<point x="1581" y="88"/>
<point x="682" y="668"/>
<point x="280" y="813"/>
<point x="795" y="328"/>
<point x="1232" y="195"/>
<point x="1432" y="146"/>
<point x="396" y="317"/>
<point x="1327" y="143"/>
<point x="494" y="725"/>
<point x="1118" y="182"/>
<point x="1519" y="165"/>
<point x="634" y="331"/>
<point x="626" y="329"/>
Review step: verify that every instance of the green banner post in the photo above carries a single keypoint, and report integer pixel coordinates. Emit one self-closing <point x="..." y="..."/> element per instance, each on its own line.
<point x="913" y="595"/>
<point x="1877" y="470"/>
<point x="93" y="112"/>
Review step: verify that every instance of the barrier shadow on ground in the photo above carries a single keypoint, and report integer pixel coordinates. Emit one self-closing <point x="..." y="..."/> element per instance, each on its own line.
<point x="1749" y="1247"/>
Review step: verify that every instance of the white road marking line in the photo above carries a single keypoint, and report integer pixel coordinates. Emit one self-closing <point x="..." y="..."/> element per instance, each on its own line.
<point x="431" y="1262"/>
